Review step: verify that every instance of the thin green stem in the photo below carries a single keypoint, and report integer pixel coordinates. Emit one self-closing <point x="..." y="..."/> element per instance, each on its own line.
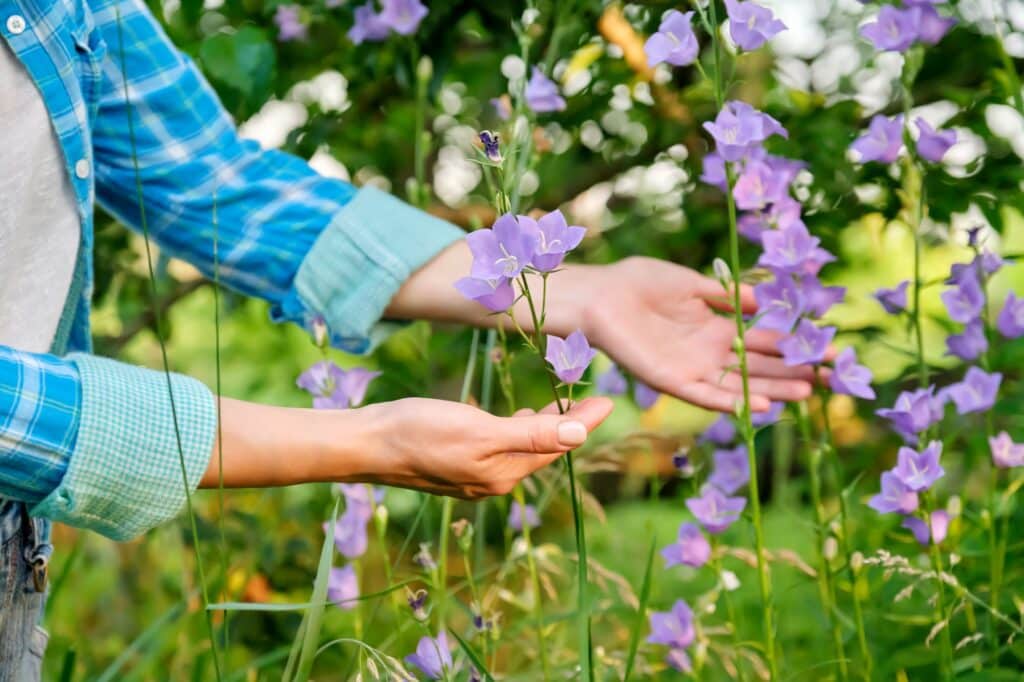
<point x="531" y="562"/>
<point x="746" y="425"/>
<point x="582" y="577"/>
<point x="826" y="583"/>
<point x="730" y="609"/>
<point x="942" y="613"/>
<point x="224" y="563"/>
<point x="157" y="322"/>
<point x="422" y="136"/>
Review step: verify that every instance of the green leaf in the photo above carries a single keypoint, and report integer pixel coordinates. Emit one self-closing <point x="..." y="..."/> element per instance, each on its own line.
<point x="299" y="606"/>
<point x="245" y="62"/>
<point x="311" y="634"/>
<point x="473" y="657"/>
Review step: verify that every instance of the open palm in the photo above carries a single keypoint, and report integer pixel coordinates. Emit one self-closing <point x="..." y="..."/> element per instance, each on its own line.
<point x="663" y="323"/>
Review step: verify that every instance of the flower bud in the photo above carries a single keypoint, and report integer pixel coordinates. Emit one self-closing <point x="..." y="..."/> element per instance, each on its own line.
<point x="856" y="562"/>
<point x="425" y="68"/>
<point x="954" y="506"/>
<point x="380" y="517"/>
<point x="417" y="602"/>
<point x="319" y="326"/>
<point x="730" y="582"/>
<point x="830" y="549"/>
<point x="722" y="271"/>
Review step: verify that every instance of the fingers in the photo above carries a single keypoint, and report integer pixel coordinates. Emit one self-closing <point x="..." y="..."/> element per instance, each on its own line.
<point x="712" y="396"/>
<point x="771" y="367"/>
<point x="786" y="390"/>
<point x="716" y="296"/>
<point x="549" y="433"/>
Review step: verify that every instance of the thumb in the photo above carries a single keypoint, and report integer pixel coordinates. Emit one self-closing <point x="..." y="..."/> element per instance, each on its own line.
<point x="543" y="433"/>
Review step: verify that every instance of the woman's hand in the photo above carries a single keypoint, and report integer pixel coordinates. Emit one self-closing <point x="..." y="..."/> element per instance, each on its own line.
<point x="454" y="449"/>
<point x="437" y="446"/>
<point x="659" y="321"/>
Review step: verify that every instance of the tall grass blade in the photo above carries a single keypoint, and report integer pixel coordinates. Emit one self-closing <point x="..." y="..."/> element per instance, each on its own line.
<point x="157" y="322"/>
<point x="641" y="611"/>
<point x="311" y="636"/>
<point x="474" y="658"/>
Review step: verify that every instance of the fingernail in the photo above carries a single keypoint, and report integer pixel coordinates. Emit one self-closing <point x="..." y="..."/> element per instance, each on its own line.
<point x="572" y="433"/>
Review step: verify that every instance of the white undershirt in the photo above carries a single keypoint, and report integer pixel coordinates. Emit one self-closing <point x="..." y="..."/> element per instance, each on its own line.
<point x="39" y="225"/>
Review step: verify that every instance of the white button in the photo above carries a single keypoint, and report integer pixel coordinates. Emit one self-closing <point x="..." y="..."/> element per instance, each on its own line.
<point x="15" y="24"/>
<point x="82" y="169"/>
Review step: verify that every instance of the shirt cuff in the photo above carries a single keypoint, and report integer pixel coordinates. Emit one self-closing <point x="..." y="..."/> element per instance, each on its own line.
<point x="358" y="263"/>
<point x="125" y="473"/>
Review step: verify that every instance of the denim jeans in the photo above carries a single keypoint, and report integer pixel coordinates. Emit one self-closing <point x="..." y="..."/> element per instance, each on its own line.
<point x="24" y="555"/>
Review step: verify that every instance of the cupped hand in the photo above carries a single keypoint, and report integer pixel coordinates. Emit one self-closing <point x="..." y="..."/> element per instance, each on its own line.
<point x="450" y="448"/>
<point x="659" y="321"/>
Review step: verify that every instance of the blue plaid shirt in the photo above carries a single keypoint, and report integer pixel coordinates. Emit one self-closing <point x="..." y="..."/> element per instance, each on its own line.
<point x="89" y="441"/>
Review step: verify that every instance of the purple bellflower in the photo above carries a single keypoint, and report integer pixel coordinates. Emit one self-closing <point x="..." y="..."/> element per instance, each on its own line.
<point x="919" y="470"/>
<point x="674" y="42"/>
<point x="819" y="297"/>
<point x="913" y="412"/>
<point x="894" y="300"/>
<point x="611" y="381"/>
<point x="343" y="587"/>
<point x="289" y="23"/>
<point x="644" y="396"/>
<point x="731" y="470"/>
<point x="542" y="94"/>
<point x="1006" y="453"/>
<point x="433" y="656"/>
<point x="673" y="628"/>
<point x="335" y="388"/>
<point x="403" y="16"/>
<point x="691" y="548"/>
<point x="970" y="343"/>
<point x="939" y="522"/>
<point x="714" y="510"/>
<point x="931" y="26"/>
<point x="883" y="140"/>
<point x="519" y="514"/>
<point x="793" y="249"/>
<point x="369" y="25"/>
<point x="497" y="295"/>
<point x="808" y="345"/>
<point x="976" y="392"/>
<point x="893" y="30"/>
<point x="751" y="25"/>
<point x="739" y="128"/>
<point x="492" y="145"/>
<point x="780" y="304"/>
<point x="895" y="497"/>
<point x="758" y="186"/>
<point x="570" y="356"/>
<point x="849" y="377"/>
<point x="556" y="238"/>
<point x="1010" y="322"/>
<point x="503" y="251"/>
<point x="933" y="144"/>
<point x="965" y="299"/>
<point x="721" y="432"/>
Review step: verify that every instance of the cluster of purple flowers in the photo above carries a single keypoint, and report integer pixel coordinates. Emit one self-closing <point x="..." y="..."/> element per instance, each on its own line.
<point x="395" y="16"/>
<point x="795" y="297"/>
<point x="896" y="29"/>
<point x="915" y="472"/>
<point x="613" y="382"/>
<point x="750" y="27"/>
<point x="883" y="140"/>
<point x="513" y="245"/>
<point x="350" y="539"/>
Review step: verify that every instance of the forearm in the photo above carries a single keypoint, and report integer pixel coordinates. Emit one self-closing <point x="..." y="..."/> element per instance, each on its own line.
<point x="261" y="446"/>
<point x="430" y="294"/>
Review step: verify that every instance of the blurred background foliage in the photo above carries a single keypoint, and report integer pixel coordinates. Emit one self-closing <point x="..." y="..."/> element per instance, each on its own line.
<point x="623" y="160"/>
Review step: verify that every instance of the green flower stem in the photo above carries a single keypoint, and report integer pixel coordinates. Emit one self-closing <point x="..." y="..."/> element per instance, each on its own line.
<point x="942" y="613"/>
<point x="730" y="609"/>
<point x="582" y="577"/>
<point x="422" y="136"/>
<point x="832" y="455"/>
<point x="826" y="580"/>
<point x="538" y="605"/>
<point x="448" y="503"/>
<point x="746" y="425"/>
